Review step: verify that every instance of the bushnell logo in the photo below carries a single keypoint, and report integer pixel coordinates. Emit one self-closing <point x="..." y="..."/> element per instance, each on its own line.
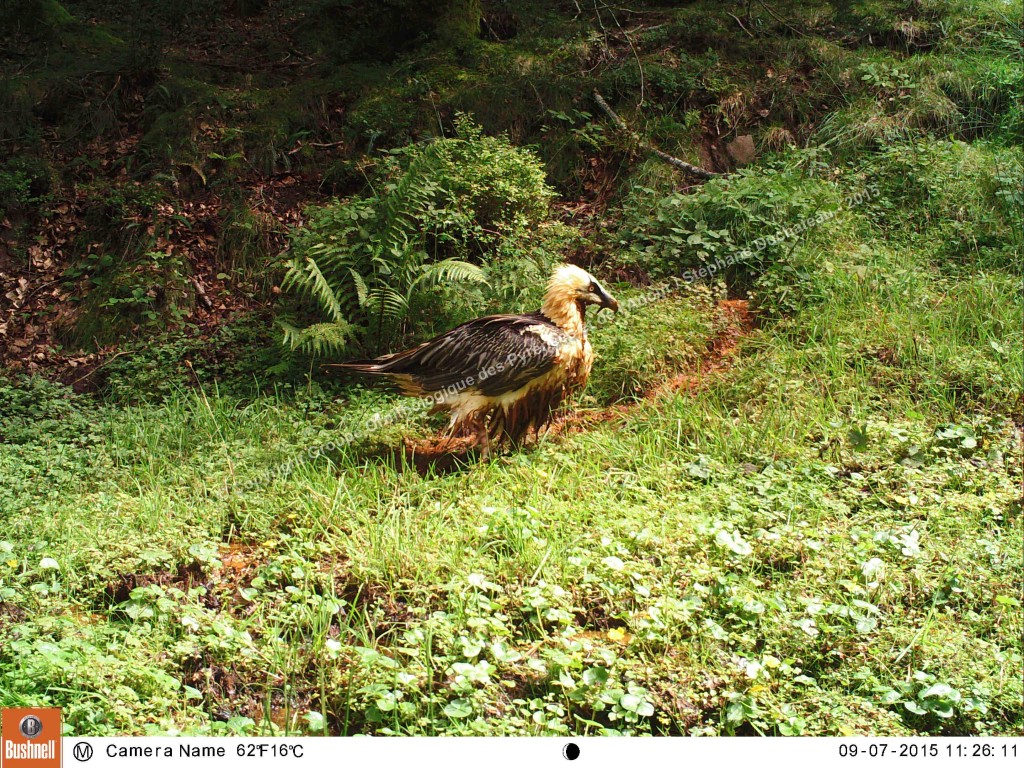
<point x="31" y="726"/>
<point x="30" y="738"/>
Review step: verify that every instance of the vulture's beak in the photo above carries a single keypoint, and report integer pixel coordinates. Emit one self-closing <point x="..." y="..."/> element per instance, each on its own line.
<point x="607" y="302"/>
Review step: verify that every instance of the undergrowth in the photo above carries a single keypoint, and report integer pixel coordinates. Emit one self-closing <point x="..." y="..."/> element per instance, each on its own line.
<point x="418" y="247"/>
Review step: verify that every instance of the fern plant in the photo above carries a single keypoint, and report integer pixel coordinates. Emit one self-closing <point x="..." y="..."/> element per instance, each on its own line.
<point x="366" y="268"/>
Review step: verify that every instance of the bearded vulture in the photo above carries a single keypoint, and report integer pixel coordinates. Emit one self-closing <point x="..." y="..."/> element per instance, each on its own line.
<point x="501" y="376"/>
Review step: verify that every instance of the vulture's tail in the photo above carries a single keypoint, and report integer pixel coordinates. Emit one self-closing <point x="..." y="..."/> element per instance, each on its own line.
<point x="371" y="367"/>
<point x="386" y="365"/>
<point x="389" y="366"/>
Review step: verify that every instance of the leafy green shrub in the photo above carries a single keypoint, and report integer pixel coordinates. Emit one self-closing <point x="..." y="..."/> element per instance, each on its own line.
<point x="123" y="282"/>
<point x="932" y="704"/>
<point x="14" y="189"/>
<point x="443" y="215"/>
<point x="57" y="659"/>
<point x="234" y="361"/>
<point x="154" y="284"/>
<point x="117" y="216"/>
<point x="733" y="226"/>
<point x="128" y="295"/>
<point x="35" y="409"/>
<point x="24" y="182"/>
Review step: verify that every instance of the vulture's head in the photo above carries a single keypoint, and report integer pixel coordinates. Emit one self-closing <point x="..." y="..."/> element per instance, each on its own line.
<point x="572" y="285"/>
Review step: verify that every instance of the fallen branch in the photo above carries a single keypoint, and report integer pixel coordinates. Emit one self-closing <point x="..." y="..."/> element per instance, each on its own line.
<point x="299" y="145"/>
<point x="201" y="294"/>
<point x="104" y="364"/>
<point x="673" y="161"/>
<point x="781" y="20"/>
<point x="737" y="18"/>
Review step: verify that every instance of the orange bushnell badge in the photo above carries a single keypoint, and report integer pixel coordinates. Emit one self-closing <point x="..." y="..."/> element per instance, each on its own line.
<point x="30" y="738"/>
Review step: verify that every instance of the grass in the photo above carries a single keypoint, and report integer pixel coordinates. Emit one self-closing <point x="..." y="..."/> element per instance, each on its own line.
<point x="823" y="539"/>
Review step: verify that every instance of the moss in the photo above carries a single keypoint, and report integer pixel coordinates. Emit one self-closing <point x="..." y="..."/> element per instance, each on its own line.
<point x="458" y="24"/>
<point x="35" y="18"/>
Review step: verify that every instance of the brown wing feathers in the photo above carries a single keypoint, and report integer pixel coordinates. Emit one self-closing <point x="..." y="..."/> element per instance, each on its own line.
<point x="491" y="355"/>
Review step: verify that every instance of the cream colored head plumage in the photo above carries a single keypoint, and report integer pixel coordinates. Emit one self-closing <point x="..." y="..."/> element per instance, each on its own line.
<point x="569" y="290"/>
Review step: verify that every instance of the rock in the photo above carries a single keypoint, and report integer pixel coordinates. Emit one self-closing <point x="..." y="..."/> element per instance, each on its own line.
<point x="741" y="149"/>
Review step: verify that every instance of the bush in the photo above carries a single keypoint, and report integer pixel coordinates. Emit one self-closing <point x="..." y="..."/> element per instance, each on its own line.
<point x="138" y="293"/>
<point x="443" y="217"/>
<point x="236" y="360"/>
<point x="36" y="409"/>
<point x="733" y="226"/>
<point x="25" y="182"/>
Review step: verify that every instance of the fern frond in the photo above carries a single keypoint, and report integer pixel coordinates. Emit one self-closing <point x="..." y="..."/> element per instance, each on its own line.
<point x="451" y="271"/>
<point x="305" y="275"/>
<point x="360" y="284"/>
<point x="291" y="336"/>
<point x="317" y="339"/>
<point x="409" y="196"/>
<point x="387" y="303"/>
<point x="377" y="258"/>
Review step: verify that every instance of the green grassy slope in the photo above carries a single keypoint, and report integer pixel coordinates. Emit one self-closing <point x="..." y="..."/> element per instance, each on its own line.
<point x="799" y="545"/>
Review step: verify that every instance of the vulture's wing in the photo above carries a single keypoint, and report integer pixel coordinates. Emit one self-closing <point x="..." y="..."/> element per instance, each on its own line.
<point x="491" y="355"/>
